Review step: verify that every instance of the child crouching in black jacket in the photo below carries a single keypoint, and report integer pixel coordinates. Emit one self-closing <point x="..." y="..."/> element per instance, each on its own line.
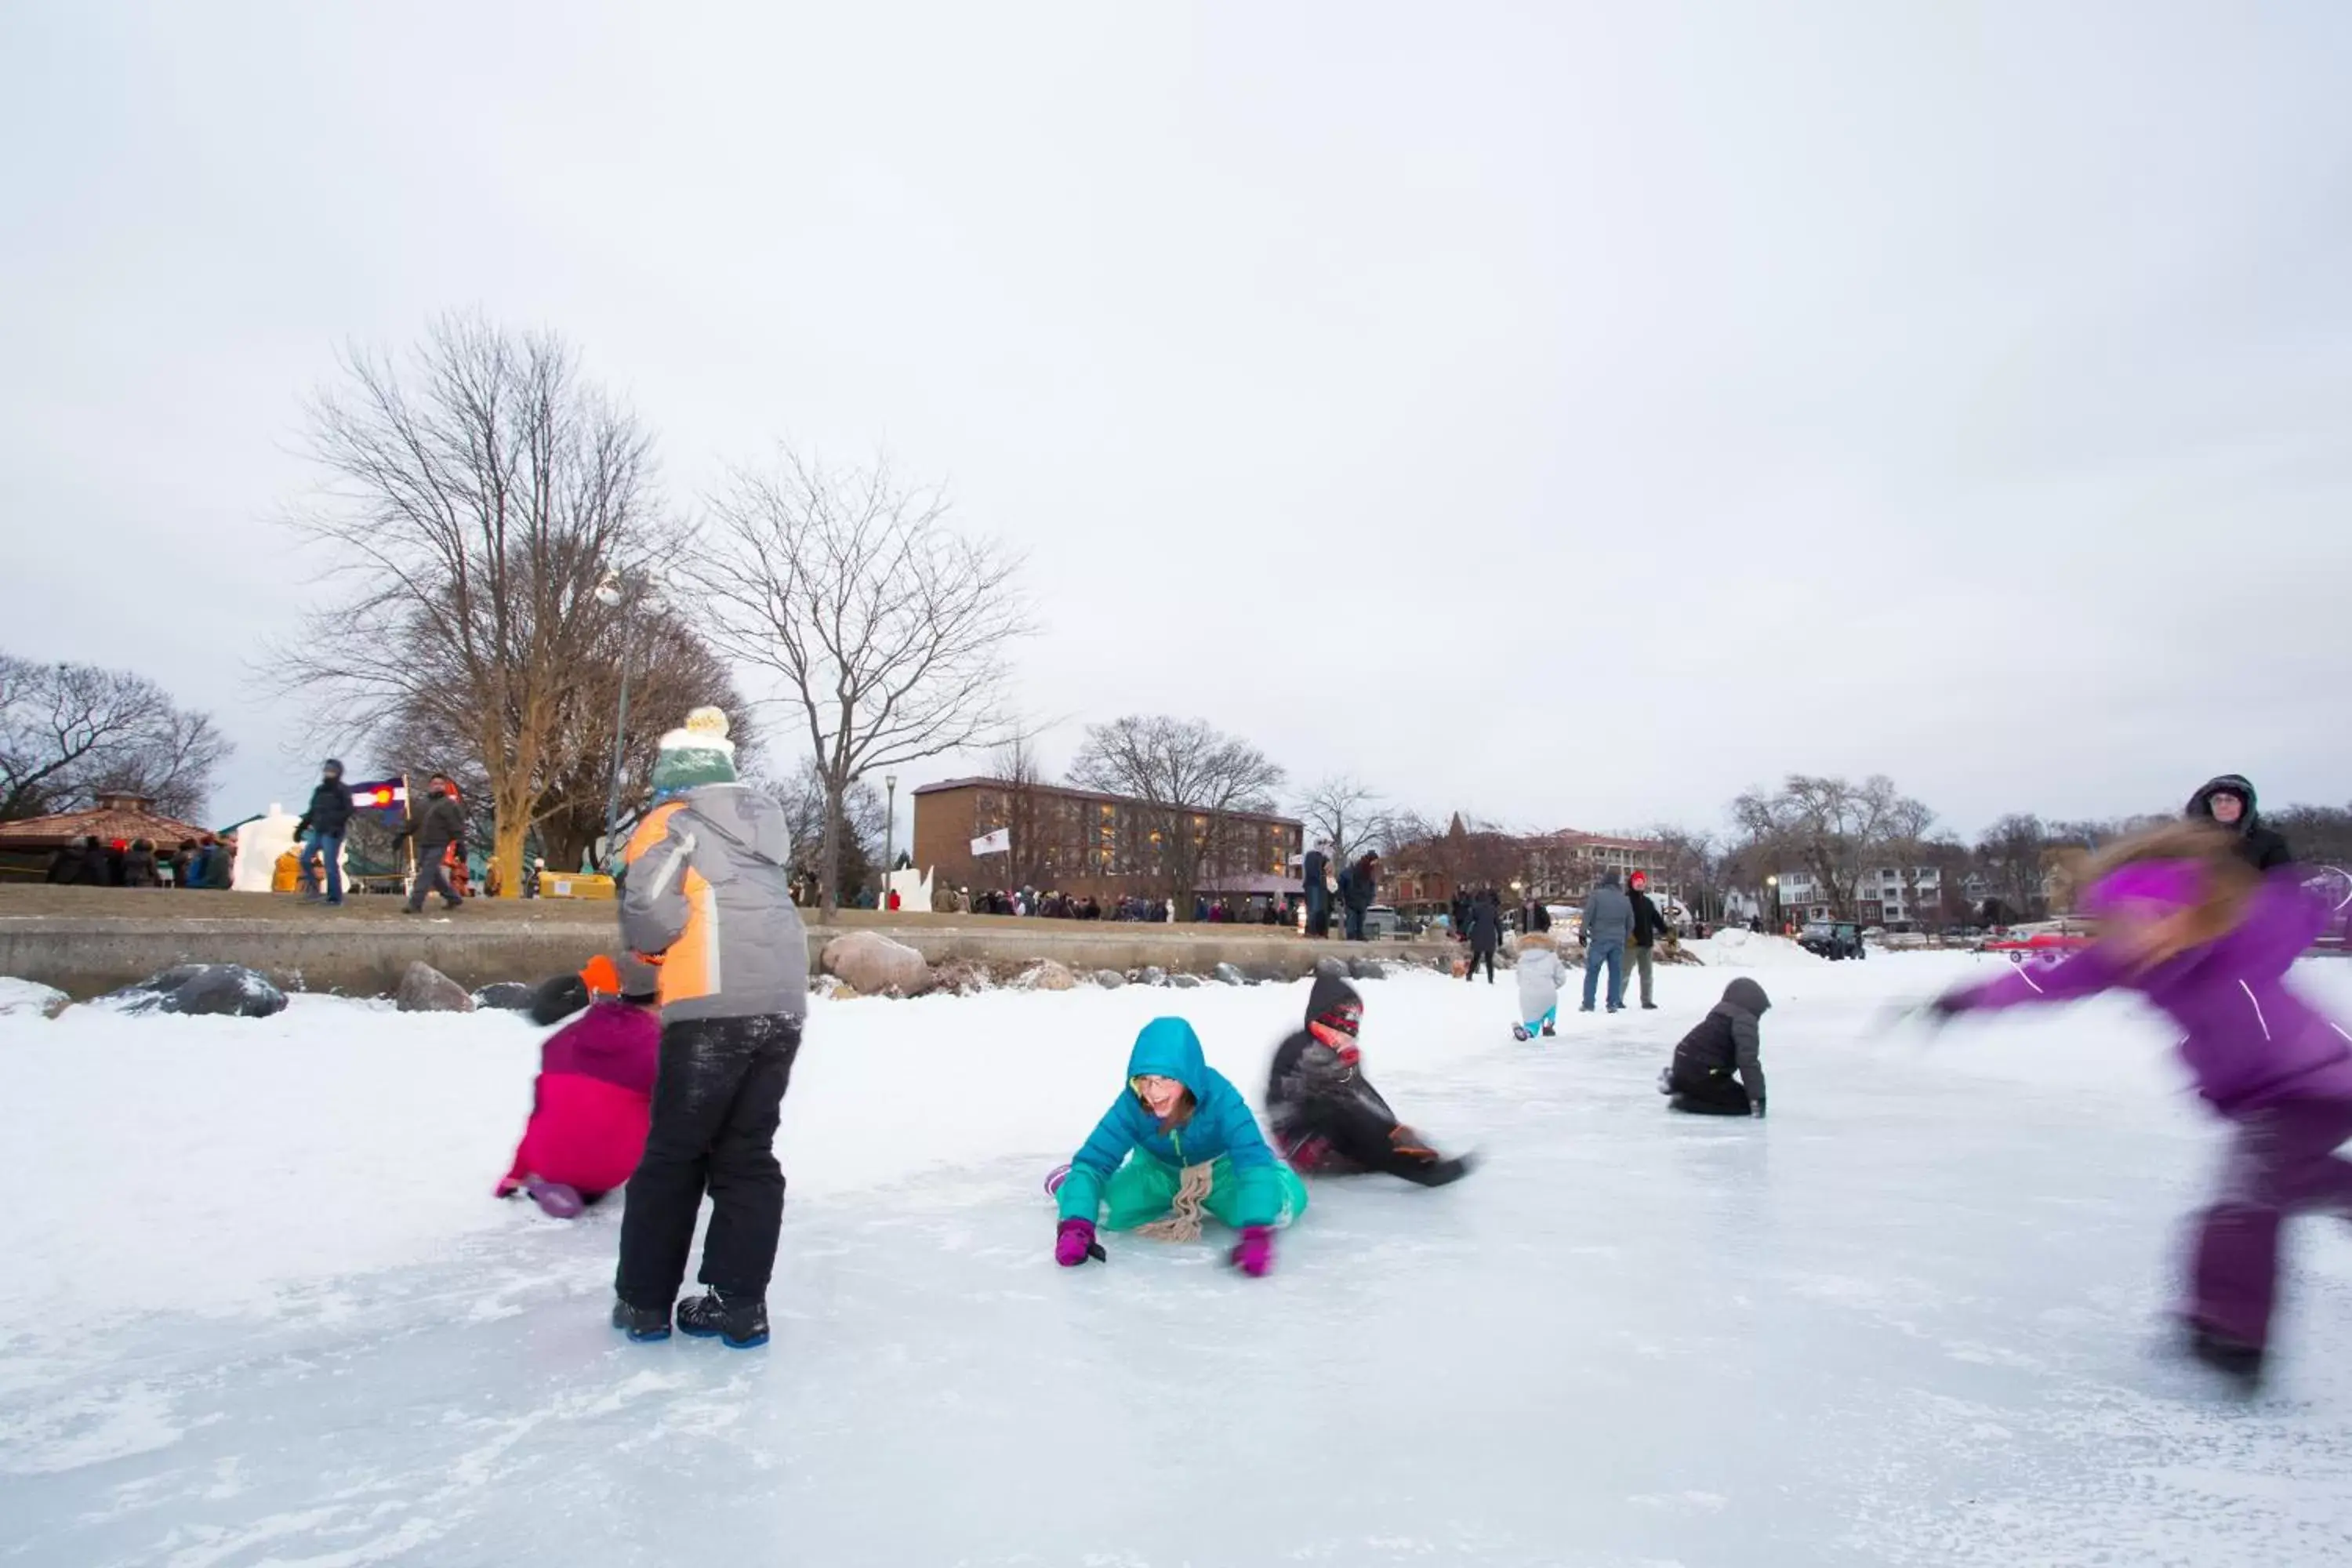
<point x="1726" y="1040"/>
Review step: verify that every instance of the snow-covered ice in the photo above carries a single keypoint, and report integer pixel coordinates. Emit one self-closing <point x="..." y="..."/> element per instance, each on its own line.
<point x="259" y="1307"/>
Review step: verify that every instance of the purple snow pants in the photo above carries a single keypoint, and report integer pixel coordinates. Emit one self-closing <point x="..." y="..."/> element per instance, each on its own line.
<point x="2282" y="1160"/>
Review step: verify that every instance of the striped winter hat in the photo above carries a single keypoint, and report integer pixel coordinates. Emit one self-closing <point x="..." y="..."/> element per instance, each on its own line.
<point x="698" y="753"/>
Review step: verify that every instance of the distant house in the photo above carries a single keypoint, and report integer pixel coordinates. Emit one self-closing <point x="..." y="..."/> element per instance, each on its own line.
<point x="26" y="847"/>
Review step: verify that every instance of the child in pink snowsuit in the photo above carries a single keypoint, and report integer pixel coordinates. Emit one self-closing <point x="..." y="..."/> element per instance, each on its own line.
<point x="2201" y="935"/>
<point x="593" y="1099"/>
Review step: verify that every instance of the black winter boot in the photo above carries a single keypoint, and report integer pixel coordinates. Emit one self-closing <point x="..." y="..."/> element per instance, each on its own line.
<point x="643" y="1324"/>
<point x="2242" y="1361"/>
<point x="740" y="1322"/>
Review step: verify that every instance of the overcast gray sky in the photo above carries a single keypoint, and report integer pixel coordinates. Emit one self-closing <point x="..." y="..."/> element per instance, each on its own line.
<point x="1574" y="413"/>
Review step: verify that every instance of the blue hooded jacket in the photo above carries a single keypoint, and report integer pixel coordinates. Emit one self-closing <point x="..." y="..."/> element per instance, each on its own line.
<point x="1221" y="1124"/>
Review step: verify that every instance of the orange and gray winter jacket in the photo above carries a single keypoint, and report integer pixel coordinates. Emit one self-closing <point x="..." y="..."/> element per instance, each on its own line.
<point x="707" y="894"/>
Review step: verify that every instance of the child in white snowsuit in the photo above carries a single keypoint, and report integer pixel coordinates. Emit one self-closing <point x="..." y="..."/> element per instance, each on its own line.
<point x="1541" y="976"/>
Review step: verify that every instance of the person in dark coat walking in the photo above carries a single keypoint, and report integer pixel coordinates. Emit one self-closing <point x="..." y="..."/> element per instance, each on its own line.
<point x="1327" y="1118"/>
<point x="1648" y="926"/>
<point x="1359" y="889"/>
<point x="1486" y="934"/>
<point x="97" y="864"/>
<point x="1726" y="1040"/>
<point x="220" y="868"/>
<point x="443" y="825"/>
<point x="139" y="865"/>
<point x="322" y="832"/>
<point x="2230" y="802"/>
<point x="1315" y="872"/>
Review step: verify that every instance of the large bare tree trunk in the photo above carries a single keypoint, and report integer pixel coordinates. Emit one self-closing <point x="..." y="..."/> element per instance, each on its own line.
<point x="481" y="496"/>
<point x="884" y="629"/>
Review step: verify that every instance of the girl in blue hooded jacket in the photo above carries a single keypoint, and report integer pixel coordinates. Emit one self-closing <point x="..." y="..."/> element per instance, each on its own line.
<point x="1180" y="1139"/>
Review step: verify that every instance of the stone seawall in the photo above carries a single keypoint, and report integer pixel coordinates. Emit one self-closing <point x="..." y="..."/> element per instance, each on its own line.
<point x="87" y="941"/>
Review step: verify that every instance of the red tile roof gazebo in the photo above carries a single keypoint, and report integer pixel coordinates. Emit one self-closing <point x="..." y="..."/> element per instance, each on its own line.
<point x="116" y="818"/>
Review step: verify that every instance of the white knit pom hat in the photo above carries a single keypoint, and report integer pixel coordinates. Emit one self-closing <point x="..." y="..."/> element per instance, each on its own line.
<point x="697" y="752"/>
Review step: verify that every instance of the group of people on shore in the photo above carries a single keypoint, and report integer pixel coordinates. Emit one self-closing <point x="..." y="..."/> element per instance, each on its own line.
<point x="204" y="863"/>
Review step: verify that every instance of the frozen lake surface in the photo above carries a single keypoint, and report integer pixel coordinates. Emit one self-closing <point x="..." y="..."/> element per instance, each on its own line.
<point x="259" y="1307"/>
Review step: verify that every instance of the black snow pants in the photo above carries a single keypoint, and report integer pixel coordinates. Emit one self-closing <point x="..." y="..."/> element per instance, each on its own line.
<point x="1479" y="955"/>
<point x="717" y="1100"/>
<point x="1709" y="1095"/>
<point x="1353" y="1137"/>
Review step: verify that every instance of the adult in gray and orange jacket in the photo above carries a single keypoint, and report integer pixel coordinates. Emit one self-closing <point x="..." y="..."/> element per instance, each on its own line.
<point x="707" y="898"/>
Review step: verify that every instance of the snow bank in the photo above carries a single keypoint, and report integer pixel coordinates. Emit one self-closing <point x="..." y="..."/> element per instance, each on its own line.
<point x="27" y="998"/>
<point x="1737" y="949"/>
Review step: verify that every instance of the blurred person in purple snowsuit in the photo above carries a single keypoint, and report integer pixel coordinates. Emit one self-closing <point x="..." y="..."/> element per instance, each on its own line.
<point x="2187" y="922"/>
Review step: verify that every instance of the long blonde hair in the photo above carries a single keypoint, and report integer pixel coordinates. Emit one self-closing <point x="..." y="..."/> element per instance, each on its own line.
<point x="2227" y="884"/>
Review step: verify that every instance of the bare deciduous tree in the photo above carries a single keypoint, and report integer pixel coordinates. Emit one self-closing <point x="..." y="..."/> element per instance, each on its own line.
<point x="884" y="627"/>
<point x="1186" y="773"/>
<point x="68" y="731"/>
<point x="1832" y="829"/>
<point x="1019" y="774"/>
<point x="1345" y="814"/>
<point x="478" y="496"/>
<point x="1688" y="861"/>
<point x="807" y="813"/>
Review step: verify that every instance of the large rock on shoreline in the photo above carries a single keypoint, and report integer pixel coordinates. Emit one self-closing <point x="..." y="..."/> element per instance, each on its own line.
<point x="424" y="989"/>
<point x="876" y="965"/>
<point x="203" y="990"/>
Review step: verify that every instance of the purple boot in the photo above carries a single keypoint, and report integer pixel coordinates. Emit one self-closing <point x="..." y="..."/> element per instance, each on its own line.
<point x="1054" y="1179"/>
<point x="555" y="1200"/>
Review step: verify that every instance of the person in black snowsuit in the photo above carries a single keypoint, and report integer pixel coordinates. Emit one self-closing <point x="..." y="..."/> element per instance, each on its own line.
<point x="97" y="864"/>
<point x="1726" y="1040"/>
<point x="139" y="865"/>
<point x="1486" y="934"/>
<point x="443" y="824"/>
<point x="1327" y="1118"/>
<point x="2229" y="801"/>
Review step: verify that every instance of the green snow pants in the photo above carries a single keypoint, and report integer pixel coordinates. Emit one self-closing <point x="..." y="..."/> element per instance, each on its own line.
<point x="1144" y="1189"/>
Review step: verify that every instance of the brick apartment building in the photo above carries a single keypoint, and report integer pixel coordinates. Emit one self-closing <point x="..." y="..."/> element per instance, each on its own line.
<point x="1556" y="867"/>
<point x="1092" y="846"/>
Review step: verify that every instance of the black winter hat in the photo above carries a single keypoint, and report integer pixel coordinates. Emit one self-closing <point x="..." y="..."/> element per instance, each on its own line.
<point x="1330" y="996"/>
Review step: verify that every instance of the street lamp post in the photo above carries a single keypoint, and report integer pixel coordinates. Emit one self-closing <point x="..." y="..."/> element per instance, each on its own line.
<point x="618" y="591"/>
<point x="890" y="829"/>
<point x="1772" y="894"/>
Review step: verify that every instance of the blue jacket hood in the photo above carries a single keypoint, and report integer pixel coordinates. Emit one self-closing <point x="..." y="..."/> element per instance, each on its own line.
<point x="1169" y="1048"/>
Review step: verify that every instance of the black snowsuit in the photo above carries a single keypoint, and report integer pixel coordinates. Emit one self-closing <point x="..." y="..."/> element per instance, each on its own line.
<point x="2262" y="848"/>
<point x="1725" y="1040"/>
<point x="1328" y="1119"/>
<point x="1485" y="936"/>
